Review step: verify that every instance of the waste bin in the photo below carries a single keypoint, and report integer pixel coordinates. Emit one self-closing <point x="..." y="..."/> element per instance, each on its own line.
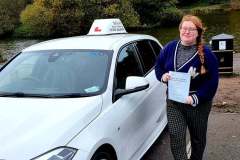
<point x="222" y="46"/>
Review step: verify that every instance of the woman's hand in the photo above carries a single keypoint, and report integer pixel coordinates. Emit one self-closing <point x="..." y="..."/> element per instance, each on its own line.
<point x="166" y="77"/>
<point x="189" y="100"/>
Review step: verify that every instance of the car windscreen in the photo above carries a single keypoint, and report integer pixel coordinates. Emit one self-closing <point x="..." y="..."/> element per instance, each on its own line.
<point x="56" y="73"/>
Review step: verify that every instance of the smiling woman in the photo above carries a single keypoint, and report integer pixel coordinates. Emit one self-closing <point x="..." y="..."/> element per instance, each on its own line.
<point x="190" y="56"/>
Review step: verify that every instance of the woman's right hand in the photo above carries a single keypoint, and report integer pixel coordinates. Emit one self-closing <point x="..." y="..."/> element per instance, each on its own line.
<point x="166" y="77"/>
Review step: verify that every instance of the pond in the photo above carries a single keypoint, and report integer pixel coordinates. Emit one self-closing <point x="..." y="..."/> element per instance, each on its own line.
<point x="10" y="47"/>
<point x="228" y="23"/>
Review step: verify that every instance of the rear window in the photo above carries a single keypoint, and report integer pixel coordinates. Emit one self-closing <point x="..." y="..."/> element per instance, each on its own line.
<point x="156" y="47"/>
<point x="146" y="54"/>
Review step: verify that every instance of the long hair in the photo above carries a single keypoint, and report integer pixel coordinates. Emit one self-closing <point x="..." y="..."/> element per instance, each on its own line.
<point x="200" y="29"/>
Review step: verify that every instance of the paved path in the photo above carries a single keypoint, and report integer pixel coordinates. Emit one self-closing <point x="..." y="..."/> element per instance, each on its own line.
<point x="223" y="140"/>
<point x="236" y="63"/>
<point x="224" y="136"/>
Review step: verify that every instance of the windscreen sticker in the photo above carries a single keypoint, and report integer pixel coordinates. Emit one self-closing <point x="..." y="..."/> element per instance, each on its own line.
<point x="92" y="89"/>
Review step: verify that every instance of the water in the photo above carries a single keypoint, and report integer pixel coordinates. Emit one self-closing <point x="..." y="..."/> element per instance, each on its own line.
<point x="228" y="23"/>
<point x="10" y="47"/>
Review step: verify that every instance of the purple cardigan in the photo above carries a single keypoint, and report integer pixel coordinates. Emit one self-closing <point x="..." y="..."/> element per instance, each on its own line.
<point x="202" y="87"/>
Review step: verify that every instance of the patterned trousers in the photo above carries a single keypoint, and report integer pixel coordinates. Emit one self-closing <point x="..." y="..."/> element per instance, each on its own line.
<point x="183" y="116"/>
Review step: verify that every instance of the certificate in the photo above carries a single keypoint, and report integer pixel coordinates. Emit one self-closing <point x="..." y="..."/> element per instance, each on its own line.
<point x="178" y="86"/>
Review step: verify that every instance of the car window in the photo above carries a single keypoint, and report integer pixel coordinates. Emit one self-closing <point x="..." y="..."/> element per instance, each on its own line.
<point x="147" y="55"/>
<point x="57" y="72"/>
<point x="127" y="65"/>
<point x="156" y="47"/>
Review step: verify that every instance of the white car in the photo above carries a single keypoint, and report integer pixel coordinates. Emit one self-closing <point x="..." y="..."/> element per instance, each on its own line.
<point x="90" y="97"/>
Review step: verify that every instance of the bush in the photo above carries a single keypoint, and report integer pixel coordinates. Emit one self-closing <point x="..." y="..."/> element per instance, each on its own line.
<point x="1" y="57"/>
<point x="155" y="12"/>
<point x="9" y="14"/>
<point x="7" y="24"/>
<point x="56" y="18"/>
<point x="170" y="17"/>
<point x="36" y="19"/>
<point x="23" y="31"/>
<point x="124" y="11"/>
<point x="52" y="18"/>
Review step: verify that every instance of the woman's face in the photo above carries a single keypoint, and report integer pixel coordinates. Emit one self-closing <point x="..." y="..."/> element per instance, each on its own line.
<point x="188" y="33"/>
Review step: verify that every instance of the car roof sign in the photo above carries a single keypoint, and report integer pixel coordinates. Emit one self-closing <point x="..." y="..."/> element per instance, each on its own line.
<point x="107" y="26"/>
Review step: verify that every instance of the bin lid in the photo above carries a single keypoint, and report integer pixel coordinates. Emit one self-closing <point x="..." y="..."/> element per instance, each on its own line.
<point x="223" y="36"/>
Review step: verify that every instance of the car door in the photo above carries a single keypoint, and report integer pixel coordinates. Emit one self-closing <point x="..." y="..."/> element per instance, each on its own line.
<point x="137" y="113"/>
<point x="156" y="94"/>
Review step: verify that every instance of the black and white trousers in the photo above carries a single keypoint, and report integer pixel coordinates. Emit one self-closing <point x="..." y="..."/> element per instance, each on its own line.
<point x="182" y="116"/>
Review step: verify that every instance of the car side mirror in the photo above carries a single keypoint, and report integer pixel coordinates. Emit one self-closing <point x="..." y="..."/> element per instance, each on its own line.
<point x="133" y="84"/>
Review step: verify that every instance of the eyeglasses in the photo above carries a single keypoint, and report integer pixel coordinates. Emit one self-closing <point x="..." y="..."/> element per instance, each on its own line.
<point x="185" y="29"/>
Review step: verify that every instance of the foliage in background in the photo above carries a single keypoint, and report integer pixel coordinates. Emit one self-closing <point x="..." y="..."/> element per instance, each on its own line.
<point x="46" y="18"/>
<point x="123" y="10"/>
<point x="157" y="12"/>
<point x="57" y="18"/>
<point x="235" y="4"/>
<point x="186" y="2"/>
<point x="1" y="56"/>
<point x="95" y="9"/>
<point x="207" y="10"/>
<point x="9" y="14"/>
<point x="204" y="7"/>
<point x="200" y="2"/>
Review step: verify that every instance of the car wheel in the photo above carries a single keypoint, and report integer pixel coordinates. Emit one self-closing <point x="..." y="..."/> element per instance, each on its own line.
<point x="103" y="155"/>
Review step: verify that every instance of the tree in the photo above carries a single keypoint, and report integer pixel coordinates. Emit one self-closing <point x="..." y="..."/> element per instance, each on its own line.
<point x="156" y="12"/>
<point x="37" y="19"/>
<point x="9" y="14"/>
<point x="187" y="2"/>
<point x="53" y="17"/>
<point x="123" y="9"/>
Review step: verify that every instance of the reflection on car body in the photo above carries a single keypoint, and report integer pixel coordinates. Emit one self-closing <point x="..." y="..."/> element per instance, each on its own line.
<point x="80" y="98"/>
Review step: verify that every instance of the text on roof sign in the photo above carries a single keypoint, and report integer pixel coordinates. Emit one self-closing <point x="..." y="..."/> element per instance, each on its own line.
<point x="106" y="26"/>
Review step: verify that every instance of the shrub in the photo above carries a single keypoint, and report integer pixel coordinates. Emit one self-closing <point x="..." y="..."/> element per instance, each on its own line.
<point x="170" y="17"/>
<point x="153" y="12"/>
<point x="9" y="14"/>
<point x="53" y="18"/>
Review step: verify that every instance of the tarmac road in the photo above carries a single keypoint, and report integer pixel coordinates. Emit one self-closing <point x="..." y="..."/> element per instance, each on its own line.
<point x="236" y="63"/>
<point x="223" y="140"/>
<point x="224" y="136"/>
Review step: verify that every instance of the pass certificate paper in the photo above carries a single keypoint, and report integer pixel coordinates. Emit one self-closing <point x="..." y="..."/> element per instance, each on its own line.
<point x="178" y="86"/>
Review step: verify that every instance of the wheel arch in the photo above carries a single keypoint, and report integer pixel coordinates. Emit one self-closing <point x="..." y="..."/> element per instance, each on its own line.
<point x="107" y="148"/>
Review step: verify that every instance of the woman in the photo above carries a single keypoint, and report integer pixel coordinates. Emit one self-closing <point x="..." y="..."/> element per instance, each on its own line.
<point x="189" y="55"/>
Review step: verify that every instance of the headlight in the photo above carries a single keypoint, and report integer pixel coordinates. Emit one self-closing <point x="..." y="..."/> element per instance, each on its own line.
<point x="63" y="153"/>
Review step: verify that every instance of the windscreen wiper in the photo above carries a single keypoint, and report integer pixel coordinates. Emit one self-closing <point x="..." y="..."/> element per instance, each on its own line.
<point x="12" y="94"/>
<point x="72" y="95"/>
<point x="22" y="94"/>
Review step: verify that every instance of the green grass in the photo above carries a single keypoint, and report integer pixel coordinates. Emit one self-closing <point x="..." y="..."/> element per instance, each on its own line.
<point x="204" y="3"/>
<point x="203" y="7"/>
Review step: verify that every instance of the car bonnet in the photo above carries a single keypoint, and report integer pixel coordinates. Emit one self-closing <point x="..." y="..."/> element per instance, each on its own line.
<point x="31" y="126"/>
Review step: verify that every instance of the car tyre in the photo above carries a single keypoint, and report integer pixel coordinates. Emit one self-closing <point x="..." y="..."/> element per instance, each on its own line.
<point x="103" y="155"/>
